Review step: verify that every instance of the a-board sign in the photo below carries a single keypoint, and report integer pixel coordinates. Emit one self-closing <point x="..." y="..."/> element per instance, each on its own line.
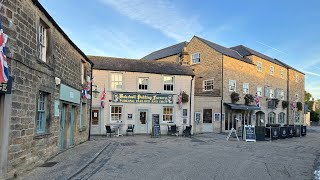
<point x="156" y="132"/>
<point x="297" y="130"/>
<point x="290" y="131"/>
<point x="275" y="132"/>
<point x="283" y="132"/>
<point x="249" y="133"/>
<point x="303" y="130"/>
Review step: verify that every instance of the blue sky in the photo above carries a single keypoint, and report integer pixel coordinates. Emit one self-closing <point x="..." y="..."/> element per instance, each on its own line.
<point x="286" y="30"/>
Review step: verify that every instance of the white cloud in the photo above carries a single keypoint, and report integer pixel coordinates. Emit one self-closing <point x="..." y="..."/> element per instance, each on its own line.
<point x="161" y="15"/>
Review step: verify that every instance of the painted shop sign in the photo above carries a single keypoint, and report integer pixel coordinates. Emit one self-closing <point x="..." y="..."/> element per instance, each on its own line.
<point x="5" y="88"/>
<point x="120" y="97"/>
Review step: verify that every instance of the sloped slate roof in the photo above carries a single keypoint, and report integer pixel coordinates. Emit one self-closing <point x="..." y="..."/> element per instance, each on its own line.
<point x="245" y="51"/>
<point x="165" y="52"/>
<point x="225" y="51"/>
<point x="135" y="65"/>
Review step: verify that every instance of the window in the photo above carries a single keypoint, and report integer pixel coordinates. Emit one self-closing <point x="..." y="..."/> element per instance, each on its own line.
<point x="297" y="117"/>
<point x="83" y="115"/>
<point x="297" y="97"/>
<point x="271" y="93"/>
<point x="195" y="58"/>
<point x="297" y="77"/>
<point x="95" y="117"/>
<point x="42" y="35"/>
<point x="272" y="118"/>
<point x="217" y="116"/>
<point x="281" y="118"/>
<point x="143" y="83"/>
<point x="167" y="113"/>
<point x="207" y="115"/>
<point x="116" y="113"/>
<point x="116" y="81"/>
<point x="232" y="85"/>
<point x="83" y="73"/>
<point x="259" y="66"/>
<point x="259" y="91"/>
<point x="282" y="73"/>
<point x="245" y="88"/>
<point x="185" y="112"/>
<point x="208" y="85"/>
<point x="271" y="70"/>
<point x="168" y="83"/>
<point x="282" y="95"/>
<point x="41" y="112"/>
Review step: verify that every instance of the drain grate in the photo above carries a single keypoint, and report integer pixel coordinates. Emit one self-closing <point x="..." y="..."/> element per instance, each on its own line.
<point x="48" y="164"/>
<point x="128" y="144"/>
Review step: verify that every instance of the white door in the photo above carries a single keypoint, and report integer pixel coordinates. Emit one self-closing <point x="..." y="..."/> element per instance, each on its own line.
<point x="95" y="122"/>
<point x="143" y="121"/>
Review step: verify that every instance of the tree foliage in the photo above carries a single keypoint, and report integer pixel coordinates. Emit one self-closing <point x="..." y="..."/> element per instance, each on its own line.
<point x="307" y="96"/>
<point x="314" y="116"/>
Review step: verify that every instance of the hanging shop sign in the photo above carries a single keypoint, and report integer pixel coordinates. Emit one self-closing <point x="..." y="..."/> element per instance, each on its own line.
<point x="5" y="88"/>
<point x="120" y="97"/>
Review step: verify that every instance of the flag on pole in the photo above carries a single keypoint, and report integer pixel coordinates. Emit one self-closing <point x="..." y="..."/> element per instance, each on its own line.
<point x="103" y="97"/>
<point x="257" y="100"/>
<point x="4" y="72"/>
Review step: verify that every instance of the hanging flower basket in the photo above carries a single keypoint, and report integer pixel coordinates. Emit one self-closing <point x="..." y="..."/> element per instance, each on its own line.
<point x="248" y="98"/>
<point x="185" y="97"/>
<point x="235" y="97"/>
<point x="299" y="106"/>
<point x="285" y="104"/>
<point x="276" y="102"/>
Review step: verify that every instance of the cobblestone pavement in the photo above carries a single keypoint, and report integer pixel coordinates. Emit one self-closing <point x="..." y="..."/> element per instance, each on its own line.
<point x="205" y="156"/>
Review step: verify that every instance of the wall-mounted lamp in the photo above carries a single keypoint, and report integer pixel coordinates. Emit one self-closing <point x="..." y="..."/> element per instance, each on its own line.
<point x="95" y="91"/>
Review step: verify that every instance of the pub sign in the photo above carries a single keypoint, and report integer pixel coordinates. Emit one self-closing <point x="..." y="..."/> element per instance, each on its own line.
<point x="5" y="88"/>
<point x="151" y="98"/>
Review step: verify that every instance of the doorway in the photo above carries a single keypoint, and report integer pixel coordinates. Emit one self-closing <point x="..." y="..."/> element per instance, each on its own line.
<point x="260" y="118"/>
<point x="95" y="122"/>
<point x="62" y="125"/>
<point x="143" y="121"/>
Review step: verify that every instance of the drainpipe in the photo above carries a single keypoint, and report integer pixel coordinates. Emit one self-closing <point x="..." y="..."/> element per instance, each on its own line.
<point x="221" y="97"/>
<point x="190" y="101"/>
<point x="90" y="105"/>
<point x="289" y="106"/>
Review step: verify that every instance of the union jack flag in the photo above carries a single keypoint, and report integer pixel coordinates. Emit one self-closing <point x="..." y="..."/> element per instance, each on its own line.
<point x="4" y="72"/>
<point x="256" y="98"/>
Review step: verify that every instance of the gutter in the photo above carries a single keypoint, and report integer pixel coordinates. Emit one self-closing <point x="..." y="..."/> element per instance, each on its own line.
<point x="90" y="105"/>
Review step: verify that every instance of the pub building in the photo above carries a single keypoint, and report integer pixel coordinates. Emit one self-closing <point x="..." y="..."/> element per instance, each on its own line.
<point x="137" y="92"/>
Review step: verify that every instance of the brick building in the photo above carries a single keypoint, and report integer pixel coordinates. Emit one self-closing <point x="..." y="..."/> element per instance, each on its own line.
<point x="43" y="111"/>
<point x="138" y="91"/>
<point x="220" y="71"/>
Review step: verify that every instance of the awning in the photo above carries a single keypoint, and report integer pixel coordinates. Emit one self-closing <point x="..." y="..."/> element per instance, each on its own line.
<point x="242" y="107"/>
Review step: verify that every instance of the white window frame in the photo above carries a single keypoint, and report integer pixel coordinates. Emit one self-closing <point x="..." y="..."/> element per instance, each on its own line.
<point x="205" y="85"/>
<point x="282" y="74"/>
<point x="259" y="94"/>
<point x="282" y="95"/>
<point x="167" y="84"/>
<point x="219" y="116"/>
<point x="246" y="88"/>
<point x="41" y="112"/>
<point x="259" y="65"/>
<point x="297" y="77"/>
<point x="282" y="117"/>
<point x="43" y="44"/>
<point x="297" y="97"/>
<point x="235" y="86"/>
<point x="163" y="114"/>
<point x="274" y="120"/>
<point x="195" y="56"/>
<point x="297" y="117"/>
<point x="116" y="113"/>
<point x="271" y="93"/>
<point x="271" y="70"/>
<point x="147" y="85"/>
<point x="114" y="80"/>
<point x="82" y="73"/>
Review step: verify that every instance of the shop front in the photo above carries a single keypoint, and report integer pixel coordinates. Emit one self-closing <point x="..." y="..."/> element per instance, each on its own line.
<point x="69" y="103"/>
<point x="5" y="110"/>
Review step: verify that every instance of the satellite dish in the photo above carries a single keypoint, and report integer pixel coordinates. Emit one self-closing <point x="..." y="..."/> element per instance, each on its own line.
<point x="261" y="120"/>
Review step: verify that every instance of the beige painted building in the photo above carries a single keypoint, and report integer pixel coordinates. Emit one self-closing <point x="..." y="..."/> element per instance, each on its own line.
<point x="220" y="71"/>
<point x="137" y="92"/>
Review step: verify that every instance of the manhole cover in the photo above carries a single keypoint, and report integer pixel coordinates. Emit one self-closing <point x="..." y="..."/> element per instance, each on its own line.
<point x="48" y="164"/>
<point x="128" y="144"/>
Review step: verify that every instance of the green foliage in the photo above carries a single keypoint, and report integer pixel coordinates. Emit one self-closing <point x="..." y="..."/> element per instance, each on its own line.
<point x="314" y="116"/>
<point x="235" y="97"/>
<point x="307" y="96"/>
<point x="185" y="97"/>
<point x="276" y="102"/>
<point x="299" y="106"/>
<point x="248" y="98"/>
<point x="285" y="104"/>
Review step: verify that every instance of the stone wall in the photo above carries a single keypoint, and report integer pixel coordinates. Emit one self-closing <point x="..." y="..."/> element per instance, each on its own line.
<point x="31" y="75"/>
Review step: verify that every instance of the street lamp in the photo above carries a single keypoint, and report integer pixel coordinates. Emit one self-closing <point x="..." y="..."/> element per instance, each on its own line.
<point x="95" y="91"/>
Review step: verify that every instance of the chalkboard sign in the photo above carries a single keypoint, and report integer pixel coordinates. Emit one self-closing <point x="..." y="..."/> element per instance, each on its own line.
<point x="250" y="135"/>
<point x="290" y="131"/>
<point x="297" y="130"/>
<point x="156" y="131"/>
<point x="275" y="132"/>
<point x="283" y="132"/>
<point x="303" y="130"/>
<point x="155" y="119"/>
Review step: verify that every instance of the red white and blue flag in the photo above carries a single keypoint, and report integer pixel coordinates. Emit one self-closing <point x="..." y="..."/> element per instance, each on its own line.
<point x="103" y="97"/>
<point x="4" y="72"/>
<point x="257" y="100"/>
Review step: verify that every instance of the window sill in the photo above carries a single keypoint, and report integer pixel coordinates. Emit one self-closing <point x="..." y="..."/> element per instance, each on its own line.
<point x="44" y="63"/>
<point x="41" y="136"/>
<point x="82" y="129"/>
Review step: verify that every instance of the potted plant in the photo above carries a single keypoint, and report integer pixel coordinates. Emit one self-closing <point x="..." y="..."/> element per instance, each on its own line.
<point x="235" y="97"/>
<point x="285" y="104"/>
<point x="248" y="98"/>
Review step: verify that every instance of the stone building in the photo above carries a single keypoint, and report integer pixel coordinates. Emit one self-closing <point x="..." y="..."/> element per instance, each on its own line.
<point x="221" y="71"/>
<point x="43" y="112"/>
<point x="138" y="91"/>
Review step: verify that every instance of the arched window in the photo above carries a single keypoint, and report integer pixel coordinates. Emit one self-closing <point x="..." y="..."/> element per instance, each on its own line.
<point x="297" y="117"/>
<point x="272" y="118"/>
<point x="281" y="118"/>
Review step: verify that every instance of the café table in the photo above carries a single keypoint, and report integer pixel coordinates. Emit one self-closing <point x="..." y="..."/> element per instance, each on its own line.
<point x="118" y="126"/>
